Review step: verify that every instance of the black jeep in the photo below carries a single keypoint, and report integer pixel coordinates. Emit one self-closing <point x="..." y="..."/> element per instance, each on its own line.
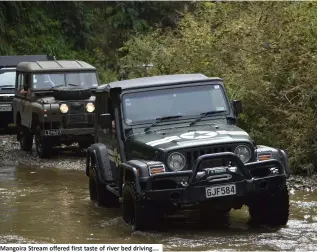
<point x="165" y="143"/>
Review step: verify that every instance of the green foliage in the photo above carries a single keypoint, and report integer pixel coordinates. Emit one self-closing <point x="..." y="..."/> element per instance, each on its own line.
<point x="266" y="53"/>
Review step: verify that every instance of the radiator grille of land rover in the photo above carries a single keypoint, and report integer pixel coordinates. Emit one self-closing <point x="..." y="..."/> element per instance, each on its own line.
<point x="192" y="155"/>
<point x="76" y="113"/>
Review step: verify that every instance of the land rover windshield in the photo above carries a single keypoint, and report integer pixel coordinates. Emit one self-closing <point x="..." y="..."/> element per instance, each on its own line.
<point x="147" y="106"/>
<point x="79" y="79"/>
<point x="7" y="79"/>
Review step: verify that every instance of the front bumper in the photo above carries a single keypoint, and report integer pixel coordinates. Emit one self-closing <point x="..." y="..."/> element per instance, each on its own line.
<point x="193" y="190"/>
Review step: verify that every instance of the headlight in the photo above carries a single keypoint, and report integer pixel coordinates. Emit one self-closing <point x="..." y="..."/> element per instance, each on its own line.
<point x="64" y="108"/>
<point x="243" y="152"/>
<point x="90" y="107"/>
<point x="176" y="161"/>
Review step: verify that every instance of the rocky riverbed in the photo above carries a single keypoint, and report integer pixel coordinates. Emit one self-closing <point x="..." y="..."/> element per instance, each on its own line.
<point x="73" y="158"/>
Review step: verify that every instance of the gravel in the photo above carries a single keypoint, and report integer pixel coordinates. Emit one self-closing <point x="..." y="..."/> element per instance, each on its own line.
<point x="74" y="158"/>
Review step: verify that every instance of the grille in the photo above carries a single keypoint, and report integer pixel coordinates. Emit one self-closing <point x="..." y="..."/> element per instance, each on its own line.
<point x="76" y="114"/>
<point x="77" y="108"/>
<point x="192" y="155"/>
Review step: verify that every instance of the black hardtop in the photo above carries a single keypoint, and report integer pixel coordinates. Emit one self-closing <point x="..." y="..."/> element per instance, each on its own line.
<point x="54" y="66"/>
<point x="153" y="81"/>
<point x="13" y="61"/>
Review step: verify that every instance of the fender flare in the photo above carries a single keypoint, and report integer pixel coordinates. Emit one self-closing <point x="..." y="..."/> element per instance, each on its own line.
<point x="98" y="151"/>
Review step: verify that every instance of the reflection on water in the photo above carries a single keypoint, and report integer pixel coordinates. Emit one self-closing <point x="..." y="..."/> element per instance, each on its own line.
<point x="52" y="206"/>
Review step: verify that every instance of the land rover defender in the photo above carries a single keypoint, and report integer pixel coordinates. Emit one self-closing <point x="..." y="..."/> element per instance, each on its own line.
<point x="166" y="143"/>
<point x="54" y="101"/>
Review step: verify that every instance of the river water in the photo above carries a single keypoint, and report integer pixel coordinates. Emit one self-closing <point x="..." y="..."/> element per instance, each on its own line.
<point x="42" y="205"/>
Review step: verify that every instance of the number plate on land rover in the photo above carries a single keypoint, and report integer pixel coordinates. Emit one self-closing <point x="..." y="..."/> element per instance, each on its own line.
<point x="222" y="190"/>
<point x="5" y="107"/>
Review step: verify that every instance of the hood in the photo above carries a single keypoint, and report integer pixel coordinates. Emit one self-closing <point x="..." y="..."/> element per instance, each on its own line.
<point x="192" y="137"/>
<point x="52" y="100"/>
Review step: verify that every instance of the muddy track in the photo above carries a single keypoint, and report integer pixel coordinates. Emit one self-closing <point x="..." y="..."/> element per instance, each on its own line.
<point x="74" y="158"/>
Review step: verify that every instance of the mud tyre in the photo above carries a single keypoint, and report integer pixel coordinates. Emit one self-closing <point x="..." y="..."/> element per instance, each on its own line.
<point x="142" y="215"/>
<point x="43" y="144"/>
<point x="71" y="93"/>
<point x="25" y="139"/>
<point x="270" y="209"/>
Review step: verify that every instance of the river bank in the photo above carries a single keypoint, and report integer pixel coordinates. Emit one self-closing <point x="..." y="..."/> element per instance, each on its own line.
<point x="73" y="158"/>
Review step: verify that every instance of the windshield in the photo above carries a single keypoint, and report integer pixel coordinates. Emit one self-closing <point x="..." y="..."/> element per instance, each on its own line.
<point x="7" y="79"/>
<point x="83" y="80"/>
<point x="144" y="107"/>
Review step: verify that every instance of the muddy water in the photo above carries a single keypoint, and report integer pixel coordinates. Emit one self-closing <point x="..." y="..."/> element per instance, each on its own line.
<point x="39" y="205"/>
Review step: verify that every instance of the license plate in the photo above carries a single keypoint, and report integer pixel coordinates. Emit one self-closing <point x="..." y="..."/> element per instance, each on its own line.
<point x="218" y="191"/>
<point x="6" y="107"/>
<point x="52" y="132"/>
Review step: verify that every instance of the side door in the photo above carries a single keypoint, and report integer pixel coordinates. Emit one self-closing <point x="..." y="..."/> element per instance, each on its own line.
<point x="26" y="113"/>
<point x="108" y="135"/>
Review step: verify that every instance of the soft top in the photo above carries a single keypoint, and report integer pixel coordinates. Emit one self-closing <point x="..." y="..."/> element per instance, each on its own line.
<point x="54" y="66"/>
<point x="14" y="60"/>
<point x="155" y="81"/>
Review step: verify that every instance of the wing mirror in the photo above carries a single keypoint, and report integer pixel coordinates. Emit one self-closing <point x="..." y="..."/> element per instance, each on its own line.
<point x="105" y="121"/>
<point x="237" y="106"/>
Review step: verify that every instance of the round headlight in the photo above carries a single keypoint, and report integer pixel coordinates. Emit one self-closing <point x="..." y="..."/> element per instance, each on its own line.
<point x="90" y="107"/>
<point x="176" y="161"/>
<point x="64" y="108"/>
<point x="243" y="152"/>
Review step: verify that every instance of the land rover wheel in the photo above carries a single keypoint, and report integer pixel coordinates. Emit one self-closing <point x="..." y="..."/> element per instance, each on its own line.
<point x="271" y="209"/>
<point x="84" y="145"/>
<point x="25" y="138"/>
<point x="138" y="213"/>
<point x="43" y="144"/>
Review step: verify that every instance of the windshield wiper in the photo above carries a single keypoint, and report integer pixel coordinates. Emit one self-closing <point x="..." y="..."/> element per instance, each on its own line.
<point x="56" y="86"/>
<point x="202" y="115"/>
<point x="160" y="119"/>
<point x="73" y="85"/>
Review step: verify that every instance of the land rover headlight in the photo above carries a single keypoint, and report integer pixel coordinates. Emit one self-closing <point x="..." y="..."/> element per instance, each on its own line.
<point x="243" y="152"/>
<point x="90" y="107"/>
<point x="64" y="108"/>
<point x="176" y="161"/>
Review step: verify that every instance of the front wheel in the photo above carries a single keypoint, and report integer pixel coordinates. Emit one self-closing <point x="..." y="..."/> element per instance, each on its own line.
<point x="270" y="209"/>
<point x="25" y="138"/>
<point x="138" y="213"/>
<point x="43" y="144"/>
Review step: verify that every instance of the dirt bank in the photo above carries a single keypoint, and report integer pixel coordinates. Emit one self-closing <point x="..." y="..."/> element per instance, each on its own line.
<point x="74" y="158"/>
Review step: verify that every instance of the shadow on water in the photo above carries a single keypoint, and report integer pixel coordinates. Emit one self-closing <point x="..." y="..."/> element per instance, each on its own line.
<point x="40" y="205"/>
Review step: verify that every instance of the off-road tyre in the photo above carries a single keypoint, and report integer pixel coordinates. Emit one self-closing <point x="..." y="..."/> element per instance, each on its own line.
<point x="43" y="144"/>
<point x="141" y="214"/>
<point x="25" y="138"/>
<point x="71" y="93"/>
<point x="84" y="145"/>
<point x="270" y="209"/>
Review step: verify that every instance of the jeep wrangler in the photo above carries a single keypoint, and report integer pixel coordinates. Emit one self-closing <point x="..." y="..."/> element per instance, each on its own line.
<point x="168" y="143"/>
<point x="7" y="81"/>
<point x="54" y="101"/>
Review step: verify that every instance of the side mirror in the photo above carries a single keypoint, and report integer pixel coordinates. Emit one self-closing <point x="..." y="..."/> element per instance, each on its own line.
<point x="105" y="121"/>
<point x="237" y="105"/>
